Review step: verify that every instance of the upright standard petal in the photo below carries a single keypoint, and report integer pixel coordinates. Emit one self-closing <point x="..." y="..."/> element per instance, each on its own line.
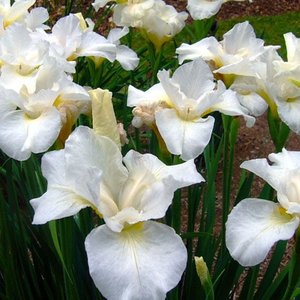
<point x="144" y="261"/>
<point x="252" y="228"/>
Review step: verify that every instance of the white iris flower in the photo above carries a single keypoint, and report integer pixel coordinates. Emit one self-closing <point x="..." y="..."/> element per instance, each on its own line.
<point x="129" y="257"/>
<point x="180" y="107"/>
<point x="254" y="225"/>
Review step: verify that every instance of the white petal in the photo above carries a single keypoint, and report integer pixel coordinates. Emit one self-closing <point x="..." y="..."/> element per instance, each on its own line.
<point x="207" y="49"/>
<point x="230" y="105"/>
<point x="253" y="226"/>
<point x="85" y="150"/>
<point x="203" y="9"/>
<point x="116" y="34"/>
<point x="60" y="200"/>
<point x="261" y="168"/>
<point x="242" y="37"/>
<point x="127" y="58"/>
<point x="99" y="3"/>
<point x="13" y="134"/>
<point x="43" y="131"/>
<point x="37" y="17"/>
<point x="286" y="159"/>
<point x="21" y="135"/>
<point x="289" y="113"/>
<point x="151" y="185"/>
<point x="57" y="203"/>
<point x="152" y="96"/>
<point x="187" y="138"/>
<point x="93" y="44"/>
<point x="255" y="104"/>
<point x="136" y="264"/>
<point x="194" y="78"/>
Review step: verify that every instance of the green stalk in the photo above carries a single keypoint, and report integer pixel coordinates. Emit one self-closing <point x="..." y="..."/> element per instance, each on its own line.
<point x="279" y="131"/>
<point x="294" y="269"/>
<point x="230" y="126"/>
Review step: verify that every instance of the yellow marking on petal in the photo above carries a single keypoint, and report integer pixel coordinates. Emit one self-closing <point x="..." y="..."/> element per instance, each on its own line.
<point x="131" y="228"/>
<point x="283" y="212"/>
<point x="295" y="82"/>
<point x="291" y="100"/>
<point x="207" y="112"/>
<point x="157" y="41"/>
<point x="72" y="57"/>
<point x="97" y="61"/>
<point x="95" y="209"/>
<point x="270" y="102"/>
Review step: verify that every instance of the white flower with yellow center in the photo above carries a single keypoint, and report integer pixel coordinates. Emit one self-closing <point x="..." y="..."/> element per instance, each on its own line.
<point x="237" y="54"/>
<point x="10" y="13"/>
<point x="130" y="257"/>
<point x="180" y="107"/>
<point x="254" y="225"/>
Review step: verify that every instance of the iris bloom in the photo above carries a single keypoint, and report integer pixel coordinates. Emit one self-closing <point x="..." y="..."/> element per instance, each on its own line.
<point x="157" y="21"/>
<point x="130" y="256"/>
<point x="32" y="122"/>
<point x="254" y="225"/>
<point x="180" y="106"/>
<point x="238" y="54"/>
<point x="241" y="61"/>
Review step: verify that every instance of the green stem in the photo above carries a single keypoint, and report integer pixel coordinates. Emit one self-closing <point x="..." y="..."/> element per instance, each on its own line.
<point x="279" y="131"/>
<point x="294" y="270"/>
<point x="230" y="135"/>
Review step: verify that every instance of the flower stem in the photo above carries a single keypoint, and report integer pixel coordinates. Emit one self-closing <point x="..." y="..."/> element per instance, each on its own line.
<point x="294" y="270"/>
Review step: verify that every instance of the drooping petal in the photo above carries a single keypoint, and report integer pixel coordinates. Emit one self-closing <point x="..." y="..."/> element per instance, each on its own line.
<point x="152" y="96"/>
<point x="116" y="34"/>
<point x="60" y="200"/>
<point x="271" y="174"/>
<point x="127" y="58"/>
<point x="208" y="49"/>
<point x="20" y="135"/>
<point x="186" y="138"/>
<point x="253" y="226"/>
<point x="93" y="44"/>
<point x="230" y="105"/>
<point x="142" y="262"/>
<point x="289" y="113"/>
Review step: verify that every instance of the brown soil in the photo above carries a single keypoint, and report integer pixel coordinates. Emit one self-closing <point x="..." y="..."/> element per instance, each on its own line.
<point x="234" y="9"/>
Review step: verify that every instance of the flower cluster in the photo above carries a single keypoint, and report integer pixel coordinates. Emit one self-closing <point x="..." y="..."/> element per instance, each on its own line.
<point x="40" y="102"/>
<point x="43" y="72"/>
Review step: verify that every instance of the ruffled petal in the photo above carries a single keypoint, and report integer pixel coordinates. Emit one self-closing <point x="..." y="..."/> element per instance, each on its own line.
<point x="142" y="262"/>
<point x="60" y="200"/>
<point x="252" y="228"/>
<point x="186" y="138"/>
